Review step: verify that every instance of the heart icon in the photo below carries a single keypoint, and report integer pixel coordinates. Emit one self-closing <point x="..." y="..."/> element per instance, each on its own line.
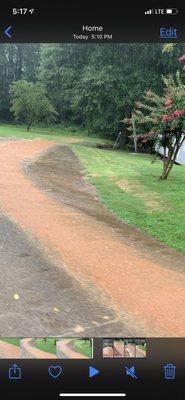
<point x="55" y="371"/>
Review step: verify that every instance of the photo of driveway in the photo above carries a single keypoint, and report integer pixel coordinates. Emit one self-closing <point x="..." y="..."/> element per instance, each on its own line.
<point x="124" y="348"/>
<point x="68" y="265"/>
<point x="9" y="349"/>
<point x="75" y="349"/>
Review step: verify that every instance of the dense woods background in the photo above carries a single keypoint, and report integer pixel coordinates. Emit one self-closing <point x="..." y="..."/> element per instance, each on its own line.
<point x="92" y="86"/>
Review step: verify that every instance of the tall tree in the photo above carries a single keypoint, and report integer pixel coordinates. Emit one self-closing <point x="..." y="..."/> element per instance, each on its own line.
<point x="17" y="61"/>
<point x="29" y="103"/>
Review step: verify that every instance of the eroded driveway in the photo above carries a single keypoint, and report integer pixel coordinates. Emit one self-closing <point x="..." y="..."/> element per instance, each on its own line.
<point x="87" y="262"/>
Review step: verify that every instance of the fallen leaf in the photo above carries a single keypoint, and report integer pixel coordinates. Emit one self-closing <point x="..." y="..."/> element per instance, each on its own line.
<point x="55" y="309"/>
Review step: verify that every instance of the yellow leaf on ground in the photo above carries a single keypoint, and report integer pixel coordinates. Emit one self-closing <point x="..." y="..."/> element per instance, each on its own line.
<point x="55" y="309"/>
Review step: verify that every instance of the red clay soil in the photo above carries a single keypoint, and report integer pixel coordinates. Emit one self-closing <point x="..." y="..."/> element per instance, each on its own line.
<point x="152" y="295"/>
<point x="119" y="349"/>
<point x="108" y="352"/>
<point x="66" y="347"/>
<point x="8" y="350"/>
<point x="33" y="352"/>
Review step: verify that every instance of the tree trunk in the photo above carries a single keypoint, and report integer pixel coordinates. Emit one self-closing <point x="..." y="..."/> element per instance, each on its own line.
<point x="134" y="133"/>
<point x="167" y="170"/>
<point x="166" y="164"/>
<point x="172" y="154"/>
<point x="123" y="140"/>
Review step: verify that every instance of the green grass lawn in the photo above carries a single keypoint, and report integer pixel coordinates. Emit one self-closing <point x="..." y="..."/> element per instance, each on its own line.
<point x="142" y="347"/>
<point x="48" y="346"/>
<point x="83" y="347"/>
<point x="14" y="341"/>
<point x="58" y="133"/>
<point x="129" y="186"/>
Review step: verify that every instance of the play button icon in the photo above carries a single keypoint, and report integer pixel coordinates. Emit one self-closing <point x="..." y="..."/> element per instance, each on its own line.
<point x="93" y="372"/>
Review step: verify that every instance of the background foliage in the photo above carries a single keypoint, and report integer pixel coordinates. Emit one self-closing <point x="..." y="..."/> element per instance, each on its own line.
<point x="91" y="85"/>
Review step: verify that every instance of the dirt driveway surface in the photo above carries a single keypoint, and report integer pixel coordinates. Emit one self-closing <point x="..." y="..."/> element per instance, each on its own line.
<point x="146" y="291"/>
<point x="68" y="351"/>
<point x="8" y="350"/>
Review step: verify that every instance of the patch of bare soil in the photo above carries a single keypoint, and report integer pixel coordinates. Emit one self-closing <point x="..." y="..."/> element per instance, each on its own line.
<point x="59" y="173"/>
<point x="117" y="259"/>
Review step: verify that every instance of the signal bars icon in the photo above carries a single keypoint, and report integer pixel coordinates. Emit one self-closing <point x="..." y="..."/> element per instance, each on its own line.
<point x="149" y="12"/>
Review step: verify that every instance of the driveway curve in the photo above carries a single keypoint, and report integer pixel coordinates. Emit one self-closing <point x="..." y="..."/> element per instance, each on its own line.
<point x="149" y="295"/>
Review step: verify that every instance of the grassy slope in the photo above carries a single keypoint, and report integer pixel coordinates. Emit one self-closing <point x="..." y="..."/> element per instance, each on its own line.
<point x="49" y="346"/>
<point x="79" y="345"/>
<point x="84" y="348"/>
<point x="142" y="347"/>
<point x="50" y="133"/>
<point x="14" y="341"/>
<point x="144" y="201"/>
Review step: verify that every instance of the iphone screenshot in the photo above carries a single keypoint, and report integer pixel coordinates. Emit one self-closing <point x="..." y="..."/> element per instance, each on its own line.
<point x="92" y="200"/>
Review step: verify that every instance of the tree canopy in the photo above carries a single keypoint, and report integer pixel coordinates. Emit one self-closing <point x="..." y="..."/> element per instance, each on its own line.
<point x="91" y="85"/>
<point x="29" y="103"/>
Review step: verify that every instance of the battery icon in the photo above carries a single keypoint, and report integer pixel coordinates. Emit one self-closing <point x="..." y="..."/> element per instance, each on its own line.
<point x="171" y="11"/>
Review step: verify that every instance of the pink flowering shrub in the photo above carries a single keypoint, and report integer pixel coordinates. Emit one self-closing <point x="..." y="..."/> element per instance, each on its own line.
<point x="164" y="118"/>
<point x="177" y="114"/>
<point x="169" y="103"/>
<point x="182" y="59"/>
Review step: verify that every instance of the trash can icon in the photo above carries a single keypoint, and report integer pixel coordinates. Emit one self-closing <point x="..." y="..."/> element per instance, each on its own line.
<point x="169" y="371"/>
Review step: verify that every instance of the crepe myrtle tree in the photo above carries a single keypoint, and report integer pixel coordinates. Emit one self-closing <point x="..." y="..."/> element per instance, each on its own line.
<point x="29" y="103"/>
<point x="165" y="117"/>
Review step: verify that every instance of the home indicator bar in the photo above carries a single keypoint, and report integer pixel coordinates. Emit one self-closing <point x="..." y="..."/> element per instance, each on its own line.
<point x="64" y="395"/>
